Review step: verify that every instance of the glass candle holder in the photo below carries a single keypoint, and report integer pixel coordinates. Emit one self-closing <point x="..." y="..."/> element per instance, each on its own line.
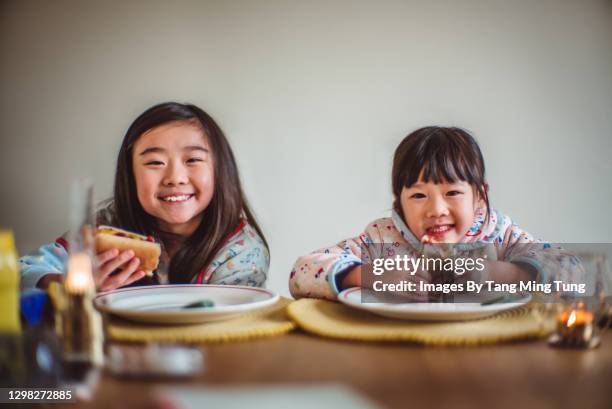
<point x="78" y="323"/>
<point x="578" y="325"/>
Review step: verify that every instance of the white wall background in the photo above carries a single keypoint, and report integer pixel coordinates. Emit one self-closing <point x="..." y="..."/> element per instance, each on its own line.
<point x="314" y="96"/>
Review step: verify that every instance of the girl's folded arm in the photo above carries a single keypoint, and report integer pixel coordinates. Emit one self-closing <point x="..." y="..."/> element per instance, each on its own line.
<point x="318" y="274"/>
<point x="49" y="259"/>
<point x="548" y="262"/>
<point x="314" y="275"/>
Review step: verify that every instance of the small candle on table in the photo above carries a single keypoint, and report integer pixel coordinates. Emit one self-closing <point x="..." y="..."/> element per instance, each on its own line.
<point x="79" y="278"/>
<point x="80" y="323"/>
<point x="575" y="325"/>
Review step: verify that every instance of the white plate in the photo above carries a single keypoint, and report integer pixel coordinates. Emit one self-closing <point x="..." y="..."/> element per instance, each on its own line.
<point x="427" y="311"/>
<point x="163" y="303"/>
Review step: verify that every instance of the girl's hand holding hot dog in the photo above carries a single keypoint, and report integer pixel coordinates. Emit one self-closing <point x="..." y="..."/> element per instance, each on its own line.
<point x="123" y="257"/>
<point x="124" y="265"/>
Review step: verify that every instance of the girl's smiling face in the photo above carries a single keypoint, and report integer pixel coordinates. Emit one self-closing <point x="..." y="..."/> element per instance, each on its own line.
<point x="443" y="211"/>
<point x="173" y="169"/>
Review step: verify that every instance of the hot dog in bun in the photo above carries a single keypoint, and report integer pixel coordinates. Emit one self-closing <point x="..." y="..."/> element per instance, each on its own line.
<point x="145" y="248"/>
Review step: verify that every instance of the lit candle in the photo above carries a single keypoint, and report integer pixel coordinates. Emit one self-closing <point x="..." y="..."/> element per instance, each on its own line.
<point x="79" y="278"/>
<point x="80" y="325"/>
<point x="575" y="325"/>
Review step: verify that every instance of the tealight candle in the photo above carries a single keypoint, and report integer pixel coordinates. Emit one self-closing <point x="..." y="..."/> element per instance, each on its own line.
<point x="575" y="328"/>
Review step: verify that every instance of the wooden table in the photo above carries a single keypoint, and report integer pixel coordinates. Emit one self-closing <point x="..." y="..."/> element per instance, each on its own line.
<point x="400" y="375"/>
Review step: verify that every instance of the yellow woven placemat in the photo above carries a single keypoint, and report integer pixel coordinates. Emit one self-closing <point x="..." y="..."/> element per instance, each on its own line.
<point x="270" y="321"/>
<point x="332" y="319"/>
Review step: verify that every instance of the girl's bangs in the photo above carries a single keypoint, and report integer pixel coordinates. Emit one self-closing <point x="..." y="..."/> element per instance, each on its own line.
<point x="440" y="166"/>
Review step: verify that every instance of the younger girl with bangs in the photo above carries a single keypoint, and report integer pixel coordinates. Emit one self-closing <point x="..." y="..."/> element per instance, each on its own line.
<point x="177" y="181"/>
<point x="441" y="196"/>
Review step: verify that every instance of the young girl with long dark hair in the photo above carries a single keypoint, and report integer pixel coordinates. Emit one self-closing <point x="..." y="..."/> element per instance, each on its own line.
<point x="176" y="180"/>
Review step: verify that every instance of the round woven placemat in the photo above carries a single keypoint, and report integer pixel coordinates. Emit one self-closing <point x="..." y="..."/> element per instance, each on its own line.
<point x="335" y="320"/>
<point x="270" y="321"/>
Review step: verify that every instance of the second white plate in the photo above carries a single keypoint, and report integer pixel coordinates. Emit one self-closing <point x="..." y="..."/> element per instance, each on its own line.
<point x="426" y="311"/>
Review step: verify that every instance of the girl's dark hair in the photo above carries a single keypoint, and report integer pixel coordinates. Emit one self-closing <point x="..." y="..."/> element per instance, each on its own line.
<point x="221" y="216"/>
<point x="443" y="155"/>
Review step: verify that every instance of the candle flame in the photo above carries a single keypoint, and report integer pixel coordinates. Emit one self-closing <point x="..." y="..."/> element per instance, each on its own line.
<point x="79" y="277"/>
<point x="571" y="319"/>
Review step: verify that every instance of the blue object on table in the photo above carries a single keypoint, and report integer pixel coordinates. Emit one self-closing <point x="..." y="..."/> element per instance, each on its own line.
<point x="32" y="304"/>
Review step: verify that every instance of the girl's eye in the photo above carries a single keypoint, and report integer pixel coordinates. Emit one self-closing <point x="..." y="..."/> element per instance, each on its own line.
<point x="194" y="160"/>
<point x="454" y="193"/>
<point x="417" y="196"/>
<point x="154" y="163"/>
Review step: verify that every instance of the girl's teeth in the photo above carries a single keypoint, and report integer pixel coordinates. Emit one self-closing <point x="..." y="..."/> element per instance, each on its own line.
<point x="440" y="229"/>
<point x="175" y="198"/>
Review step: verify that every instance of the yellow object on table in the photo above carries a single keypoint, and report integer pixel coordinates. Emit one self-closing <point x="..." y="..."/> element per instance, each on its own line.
<point x="270" y="321"/>
<point x="9" y="285"/>
<point x="335" y="320"/>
